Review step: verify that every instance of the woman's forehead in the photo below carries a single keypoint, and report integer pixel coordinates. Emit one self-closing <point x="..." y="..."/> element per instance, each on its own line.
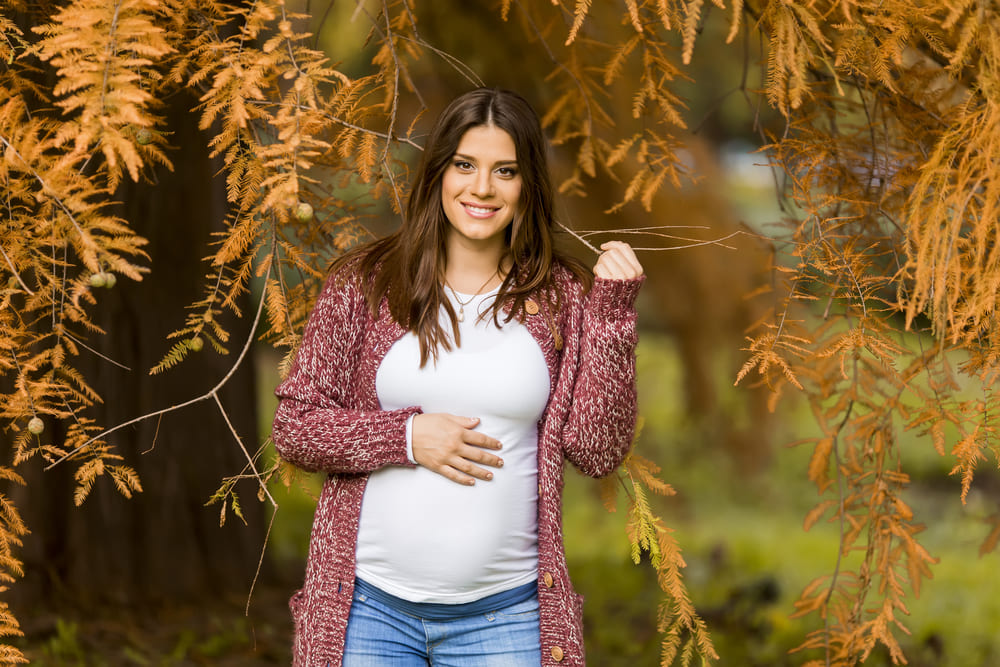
<point x="487" y="140"/>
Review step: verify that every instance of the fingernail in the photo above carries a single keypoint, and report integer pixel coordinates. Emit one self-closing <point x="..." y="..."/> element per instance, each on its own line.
<point x="500" y="463"/>
<point x="489" y="475"/>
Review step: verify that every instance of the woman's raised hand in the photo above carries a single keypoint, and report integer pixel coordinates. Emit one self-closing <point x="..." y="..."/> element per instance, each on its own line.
<point x="447" y="445"/>
<point x="617" y="262"/>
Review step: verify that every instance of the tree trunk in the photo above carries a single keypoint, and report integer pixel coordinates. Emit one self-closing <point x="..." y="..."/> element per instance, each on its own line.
<point x="164" y="543"/>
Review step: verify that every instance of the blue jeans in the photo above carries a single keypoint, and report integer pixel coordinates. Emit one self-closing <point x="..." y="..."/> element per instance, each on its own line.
<point x="380" y="636"/>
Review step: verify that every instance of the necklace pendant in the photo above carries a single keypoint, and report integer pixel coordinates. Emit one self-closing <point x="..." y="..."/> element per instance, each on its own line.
<point x="460" y="316"/>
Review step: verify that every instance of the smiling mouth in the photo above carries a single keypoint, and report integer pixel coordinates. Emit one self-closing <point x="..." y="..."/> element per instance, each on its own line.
<point x="480" y="211"/>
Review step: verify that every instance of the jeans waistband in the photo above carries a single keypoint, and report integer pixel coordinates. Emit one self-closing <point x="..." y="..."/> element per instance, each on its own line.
<point x="435" y="611"/>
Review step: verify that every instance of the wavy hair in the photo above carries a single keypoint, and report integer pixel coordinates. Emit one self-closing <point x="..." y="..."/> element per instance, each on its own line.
<point x="408" y="266"/>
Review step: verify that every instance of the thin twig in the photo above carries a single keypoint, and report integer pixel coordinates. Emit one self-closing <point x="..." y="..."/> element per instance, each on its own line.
<point x="321" y="24"/>
<point x="382" y="36"/>
<point x="643" y="229"/>
<point x="173" y="408"/>
<point x="358" y="8"/>
<point x="263" y="486"/>
<point x="464" y="70"/>
<point x="156" y="434"/>
<point x="15" y="273"/>
<point x="239" y="441"/>
<point x="419" y="40"/>
<point x="558" y="63"/>
<point x="715" y="242"/>
<point x="394" y="108"/>
<point x="24" y="381"/>
<point x="282" y="288"/>
<point x="87" y="347"/>
<point x="694" y="243"/>
<point x="110" y="51"/>
<point x="395" y="188"/>
<point x="46" y="189"/>
<point x="341" y="121"/>
<point x="579" y="238"/>
<point x="842" y="528"/>
<point x="260" y="562"/>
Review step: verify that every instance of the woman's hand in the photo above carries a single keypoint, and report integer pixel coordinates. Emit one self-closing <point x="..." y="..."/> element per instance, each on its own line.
<point x="447" y="445"/>
<point x="617" y="262"/>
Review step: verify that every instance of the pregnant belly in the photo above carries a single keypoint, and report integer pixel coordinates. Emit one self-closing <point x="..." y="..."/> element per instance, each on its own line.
<point x="430" y="539"/>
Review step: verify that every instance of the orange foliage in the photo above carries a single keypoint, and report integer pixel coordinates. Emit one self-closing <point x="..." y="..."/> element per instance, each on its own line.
<point x="887" y="174"/>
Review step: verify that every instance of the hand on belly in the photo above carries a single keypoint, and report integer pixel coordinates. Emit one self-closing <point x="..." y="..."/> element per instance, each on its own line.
<point x="448" y="445"/>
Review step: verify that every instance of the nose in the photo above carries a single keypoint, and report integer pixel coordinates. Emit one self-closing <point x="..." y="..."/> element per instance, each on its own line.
<point x="482" y="185"/>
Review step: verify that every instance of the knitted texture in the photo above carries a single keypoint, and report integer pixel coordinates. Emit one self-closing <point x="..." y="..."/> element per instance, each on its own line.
<point x="328" y="419"/>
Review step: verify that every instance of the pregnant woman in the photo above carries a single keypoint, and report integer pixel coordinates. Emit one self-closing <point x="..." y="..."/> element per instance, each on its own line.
<point x="445" y="374"/>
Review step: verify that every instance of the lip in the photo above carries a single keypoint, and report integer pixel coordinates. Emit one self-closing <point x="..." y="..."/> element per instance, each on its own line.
<point x="479" y="211"/>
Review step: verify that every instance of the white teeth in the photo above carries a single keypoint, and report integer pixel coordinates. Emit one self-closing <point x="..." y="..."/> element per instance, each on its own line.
<point x="478" y="210"/>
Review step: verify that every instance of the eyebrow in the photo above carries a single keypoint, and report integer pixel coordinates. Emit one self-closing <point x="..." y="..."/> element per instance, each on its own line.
<point x="469" y="158"/>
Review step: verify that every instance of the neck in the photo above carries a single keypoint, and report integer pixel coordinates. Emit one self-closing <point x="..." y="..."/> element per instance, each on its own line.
<point x="475" y="271"/>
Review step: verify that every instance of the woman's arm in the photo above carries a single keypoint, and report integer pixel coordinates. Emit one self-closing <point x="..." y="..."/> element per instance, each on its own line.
<point x="602" y="417"/>
<point x="601" y="424"/>
<point x="313" y="426"/>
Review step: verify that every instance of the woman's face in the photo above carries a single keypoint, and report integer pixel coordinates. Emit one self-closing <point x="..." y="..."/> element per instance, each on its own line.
<point x="481" y="188"/>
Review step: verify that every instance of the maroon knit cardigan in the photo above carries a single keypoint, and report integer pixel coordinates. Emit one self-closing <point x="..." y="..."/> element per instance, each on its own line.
<point x="329" y="419"/>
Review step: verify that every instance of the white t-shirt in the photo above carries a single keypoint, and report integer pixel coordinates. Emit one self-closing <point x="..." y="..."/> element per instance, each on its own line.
<point x="425" y="538"/>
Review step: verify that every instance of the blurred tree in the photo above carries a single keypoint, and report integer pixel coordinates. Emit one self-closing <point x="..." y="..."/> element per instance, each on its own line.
<point x="163" y="544"/>
<point x="881" y="132"/>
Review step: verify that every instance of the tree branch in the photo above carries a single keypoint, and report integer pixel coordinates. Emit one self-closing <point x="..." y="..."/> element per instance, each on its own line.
<point x="210" y="394"/>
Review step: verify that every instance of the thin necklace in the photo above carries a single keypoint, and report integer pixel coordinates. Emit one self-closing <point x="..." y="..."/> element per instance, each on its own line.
<point x="463" y="304"/>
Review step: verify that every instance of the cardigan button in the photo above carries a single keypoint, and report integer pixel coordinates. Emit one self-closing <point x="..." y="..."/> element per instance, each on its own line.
<point x="531" y="307"/>
<point x="547" y="578"/>
<point x="557" y="654"/>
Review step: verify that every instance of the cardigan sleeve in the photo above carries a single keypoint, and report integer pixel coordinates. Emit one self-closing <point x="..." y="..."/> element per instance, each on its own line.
<point x="601" y="423"/>
<point x="317" y="425"/>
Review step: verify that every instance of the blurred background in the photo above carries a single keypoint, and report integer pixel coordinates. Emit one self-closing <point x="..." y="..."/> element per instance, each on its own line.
<point x="742" y="492"/>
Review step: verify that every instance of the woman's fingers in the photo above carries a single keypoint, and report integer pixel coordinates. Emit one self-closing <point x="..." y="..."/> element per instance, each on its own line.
<point x="481" y="439"/>
<point x="612" y="265"/>
<point x="465" y="469"/>
<point x="478" y="455"/>
<point x="617" y="262"/>
<point x="463" y="466"/>
<point x="448" y="445"/>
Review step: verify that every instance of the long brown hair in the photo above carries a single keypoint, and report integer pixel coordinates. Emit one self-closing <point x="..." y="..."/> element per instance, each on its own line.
<point x="408" y="265"/>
